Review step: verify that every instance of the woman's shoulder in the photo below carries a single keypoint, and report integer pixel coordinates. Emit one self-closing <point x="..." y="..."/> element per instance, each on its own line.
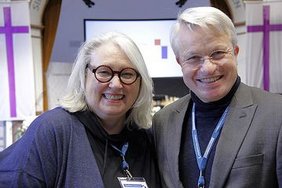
<point x="56" y="122"/>
<point x="55" y="114"/>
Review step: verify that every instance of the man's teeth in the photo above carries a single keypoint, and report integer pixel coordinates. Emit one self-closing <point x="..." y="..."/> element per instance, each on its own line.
<point x="209" y="80"/>
<point x="113" y="97"/>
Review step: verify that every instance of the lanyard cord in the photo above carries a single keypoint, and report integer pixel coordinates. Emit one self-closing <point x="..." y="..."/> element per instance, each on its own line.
<point x="202" y="160"/>
<point x="124" y="165"/>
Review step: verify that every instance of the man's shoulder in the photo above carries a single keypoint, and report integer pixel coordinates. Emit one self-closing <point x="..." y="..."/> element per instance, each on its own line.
<point x="260" y="96"/>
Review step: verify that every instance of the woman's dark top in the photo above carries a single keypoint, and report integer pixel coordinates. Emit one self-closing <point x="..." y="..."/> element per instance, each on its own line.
<point x="140" y="154"/>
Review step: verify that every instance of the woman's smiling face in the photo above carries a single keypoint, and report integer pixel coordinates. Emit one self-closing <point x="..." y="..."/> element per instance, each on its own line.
<point x="113" y="99"/>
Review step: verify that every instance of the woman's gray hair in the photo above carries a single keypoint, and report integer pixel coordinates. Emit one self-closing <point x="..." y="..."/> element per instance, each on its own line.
<point x="74" y="100"/>
<point x="203" y="17"/>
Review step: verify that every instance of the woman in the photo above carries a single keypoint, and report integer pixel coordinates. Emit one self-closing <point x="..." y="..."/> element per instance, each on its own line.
<point x="97" y="137"/>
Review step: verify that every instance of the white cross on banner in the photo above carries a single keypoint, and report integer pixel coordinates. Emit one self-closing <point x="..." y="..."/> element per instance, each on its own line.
<point x="264" y="45"/>
<point x="17" y="92"/>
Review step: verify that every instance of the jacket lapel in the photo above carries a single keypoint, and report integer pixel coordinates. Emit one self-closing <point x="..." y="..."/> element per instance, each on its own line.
<point x="238" y="120"/>
<point x="174" y="137"/>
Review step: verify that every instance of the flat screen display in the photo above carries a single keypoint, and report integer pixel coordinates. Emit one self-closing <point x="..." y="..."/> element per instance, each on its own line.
<point x="151" y="36"/>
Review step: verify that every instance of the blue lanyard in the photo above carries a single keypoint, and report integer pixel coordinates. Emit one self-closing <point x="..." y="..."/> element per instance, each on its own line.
<point x="202" y="160"/>
<point x="124" y="165"/>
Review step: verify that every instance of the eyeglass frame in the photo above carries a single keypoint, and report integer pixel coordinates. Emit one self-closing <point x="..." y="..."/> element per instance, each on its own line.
<point x="93" y="70"/>
<point x="209" y="57"/>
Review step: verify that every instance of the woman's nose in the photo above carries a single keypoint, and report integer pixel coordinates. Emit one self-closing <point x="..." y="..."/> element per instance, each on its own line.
<point x="115" y="82"/>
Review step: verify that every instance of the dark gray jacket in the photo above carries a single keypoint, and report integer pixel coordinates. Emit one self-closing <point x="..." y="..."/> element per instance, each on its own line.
<point x="249" y="149"/>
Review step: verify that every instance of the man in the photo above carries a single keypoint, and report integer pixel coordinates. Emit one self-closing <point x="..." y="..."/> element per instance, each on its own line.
<point x="224" y="133"/>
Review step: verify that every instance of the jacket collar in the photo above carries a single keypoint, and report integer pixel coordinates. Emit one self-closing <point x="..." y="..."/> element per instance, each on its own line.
<point x="238" y="120"/>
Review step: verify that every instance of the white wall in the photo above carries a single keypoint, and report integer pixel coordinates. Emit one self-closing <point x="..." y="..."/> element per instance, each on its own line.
<point x="57" y="79"/>
<point x="241" y="33"/>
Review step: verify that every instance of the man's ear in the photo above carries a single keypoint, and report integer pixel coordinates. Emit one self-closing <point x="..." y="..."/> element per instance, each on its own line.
<point x="236" y="50"/>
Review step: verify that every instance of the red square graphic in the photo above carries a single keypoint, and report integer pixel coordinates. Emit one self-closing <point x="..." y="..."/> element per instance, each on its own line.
<point x="157" y="42"/>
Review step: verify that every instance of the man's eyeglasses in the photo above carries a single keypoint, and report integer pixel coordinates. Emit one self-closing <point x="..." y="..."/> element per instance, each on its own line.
<point x="214" y="57"/>
<point x="104" y="73"/>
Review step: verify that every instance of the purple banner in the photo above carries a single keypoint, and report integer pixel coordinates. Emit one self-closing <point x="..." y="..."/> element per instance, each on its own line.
<point x="265" y="28"/>
<point x="8" y="30"/>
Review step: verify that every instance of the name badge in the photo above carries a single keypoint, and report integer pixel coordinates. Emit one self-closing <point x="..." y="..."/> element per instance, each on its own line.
<point x="134" y="182"/>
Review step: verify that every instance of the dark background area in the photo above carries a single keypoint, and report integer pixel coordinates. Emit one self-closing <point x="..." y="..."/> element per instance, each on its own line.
<point x="171" y="86"/>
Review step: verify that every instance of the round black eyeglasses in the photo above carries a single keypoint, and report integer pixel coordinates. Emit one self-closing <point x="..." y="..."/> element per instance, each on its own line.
<point x="104" y="73"/>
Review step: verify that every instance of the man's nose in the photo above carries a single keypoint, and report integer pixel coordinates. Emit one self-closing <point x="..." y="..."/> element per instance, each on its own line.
<point x="208" y="65"/>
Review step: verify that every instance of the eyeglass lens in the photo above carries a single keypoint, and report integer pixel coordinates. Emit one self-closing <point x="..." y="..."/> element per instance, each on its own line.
<point x="218" y="55"/>
<point x="104" y="74"/>
<point x="214" y="56"/>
